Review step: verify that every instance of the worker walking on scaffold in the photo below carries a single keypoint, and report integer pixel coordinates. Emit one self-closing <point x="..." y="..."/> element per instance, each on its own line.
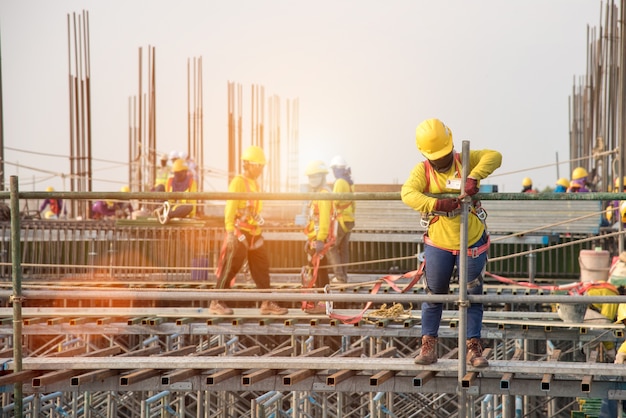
<point x="441" y="173"/>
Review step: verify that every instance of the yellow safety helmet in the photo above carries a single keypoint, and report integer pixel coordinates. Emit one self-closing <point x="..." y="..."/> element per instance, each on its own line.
<point x="563" y="182"/>
<point x="433" y="139"/>
<point x="579" y="173"/>
<point x="125" y="189"/>
<point x="254" y="154"/>
<point x="316" y="167"/>
<point x="49" y="189"/>
<point x="617" y="183"/>
<point x="179" y="165"/>
<point x="621" y="312"/>
<point x="527" y="182"/>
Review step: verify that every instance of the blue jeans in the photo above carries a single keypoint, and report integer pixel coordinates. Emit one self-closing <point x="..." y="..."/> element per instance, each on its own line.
<point x="438" y="272"/>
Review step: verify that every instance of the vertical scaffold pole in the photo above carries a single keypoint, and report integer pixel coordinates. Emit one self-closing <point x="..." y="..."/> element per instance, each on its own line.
<point x="16" y="298"/>
<point x="463" y="299"/>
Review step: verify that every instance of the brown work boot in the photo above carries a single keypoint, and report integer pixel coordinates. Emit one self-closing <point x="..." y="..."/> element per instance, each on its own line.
<point x="270" y="308"/>
<point x="428" y="353"/>
<point x="313" y="308"/>
<point x="219" y="308"/>
<point x="475" y="353"/>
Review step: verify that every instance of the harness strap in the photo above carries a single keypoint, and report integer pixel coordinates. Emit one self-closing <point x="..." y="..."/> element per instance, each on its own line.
<point x="472" y="252"/>
<point x="415" y="277"/>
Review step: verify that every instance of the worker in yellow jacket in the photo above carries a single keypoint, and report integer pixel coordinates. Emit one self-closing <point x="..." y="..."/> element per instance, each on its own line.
<point x="441" y="173"/>
<point x="339" y="254"/>
<point x="244" y="240"/>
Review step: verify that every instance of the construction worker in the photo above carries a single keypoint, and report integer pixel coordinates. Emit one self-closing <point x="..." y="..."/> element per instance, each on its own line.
<point x="55" y="207"/>
<point x="106" y="209"/>
<point x="561" y="185"/>
<point x="244" y="240"/>
<point x="162" y="174"/>
<point x="527" y="185"/>
<point x="320" y="231"/>
<point x="441" y="173"/>
<point x="339" y="254"/>
<point x="579" y="181"/>
<point x="180" y="181"/>
<point x="613" y="212"/>
<point x="601" y="313"/>
<point x="609" y="407"/>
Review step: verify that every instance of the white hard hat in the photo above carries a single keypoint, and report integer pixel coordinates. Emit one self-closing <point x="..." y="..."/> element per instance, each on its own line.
<point x="173" y="155"/>
<point x="183" y="155"/>
<point x="338" y="161"/>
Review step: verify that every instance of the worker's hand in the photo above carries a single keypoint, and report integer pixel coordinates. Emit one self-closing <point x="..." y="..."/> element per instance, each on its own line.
<point x="471" y="186"/>
<point x="620" y="358"/>
<point x="446" y="205"/>
<point x="231" y="241"/>
<point x="319" y="246"/>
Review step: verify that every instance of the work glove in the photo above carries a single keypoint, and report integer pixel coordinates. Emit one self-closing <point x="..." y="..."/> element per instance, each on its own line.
<point x="471" y="186"/>
<point x="446" y="205"/>
<point x="231" y="241"/>
<point x="620" y="358"/>
<point x="319" y="246"/>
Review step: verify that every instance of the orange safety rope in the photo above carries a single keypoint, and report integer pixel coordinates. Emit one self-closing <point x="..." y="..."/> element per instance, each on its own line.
<point x="415" y="277"/>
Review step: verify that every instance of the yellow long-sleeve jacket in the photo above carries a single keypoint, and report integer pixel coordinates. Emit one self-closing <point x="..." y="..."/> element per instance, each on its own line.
<point x="320" y="217"/>
<point x="445" y="231"/>
<point x="344" y="209"/>
<point x="243" y="213"/>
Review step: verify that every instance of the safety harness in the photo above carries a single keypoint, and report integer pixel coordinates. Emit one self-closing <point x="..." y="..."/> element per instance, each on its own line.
<point x="309" y="272"/>
<point x="247" y="221"/>
<point x="429" y="218"/>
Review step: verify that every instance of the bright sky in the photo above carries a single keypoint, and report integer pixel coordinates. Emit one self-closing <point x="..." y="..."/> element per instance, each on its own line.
<point x="365" y="72"/>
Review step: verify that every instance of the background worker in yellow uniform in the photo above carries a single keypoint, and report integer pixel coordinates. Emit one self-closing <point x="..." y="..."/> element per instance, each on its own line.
<point x="162" y="174"/>
<point x="561" y="185"/>
<point x="181" y="181"/>
<point x="339" y="253"/>
<point x="320" y="232"/>
<point x="441" y="173"/>
<point x="527" y="185"/>
<point x="608" y="408"/>
<point x="244" y="240"/>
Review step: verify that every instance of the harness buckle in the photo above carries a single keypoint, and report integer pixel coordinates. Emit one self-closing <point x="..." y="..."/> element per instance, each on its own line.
<point x="473" y="252"/>
<point x="424" y="220"/>
<point x="481" y="213"/>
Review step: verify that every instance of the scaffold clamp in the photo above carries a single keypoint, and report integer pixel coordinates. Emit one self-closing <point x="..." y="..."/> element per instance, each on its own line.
<point x="16" y="299"/>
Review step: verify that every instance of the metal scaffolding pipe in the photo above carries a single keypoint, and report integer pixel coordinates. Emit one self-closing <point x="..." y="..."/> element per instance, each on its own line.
<point x="275" y="295"/>
<point x="16" y="296"/>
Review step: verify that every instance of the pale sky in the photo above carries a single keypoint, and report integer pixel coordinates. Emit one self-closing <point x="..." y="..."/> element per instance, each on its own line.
<point x="366" y="73"/>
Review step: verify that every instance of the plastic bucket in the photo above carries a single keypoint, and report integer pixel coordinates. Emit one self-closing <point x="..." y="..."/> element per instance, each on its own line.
<point x="572" y="312"/>
<point x="594" y="265"/>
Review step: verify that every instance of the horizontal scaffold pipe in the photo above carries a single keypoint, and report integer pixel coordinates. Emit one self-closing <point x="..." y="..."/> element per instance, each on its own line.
<point x="297" y="296"/>
<point x="310" y="363"/>
<point x="303" y="196"/>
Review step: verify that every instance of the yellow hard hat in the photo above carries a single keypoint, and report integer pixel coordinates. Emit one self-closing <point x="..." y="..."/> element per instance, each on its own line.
<point x="254" y="154"/>
<point x="618" y="184"/>
<point x="433" y="139"/>
<point x="316" y="167"/>
<point x="579" y="173"/>
<point x="527" y="182"/>
<point x="179" y="165"/>
<point x="125" y="189"/>
<point x="49" y="189"/>
<point x="563" y="182"/>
